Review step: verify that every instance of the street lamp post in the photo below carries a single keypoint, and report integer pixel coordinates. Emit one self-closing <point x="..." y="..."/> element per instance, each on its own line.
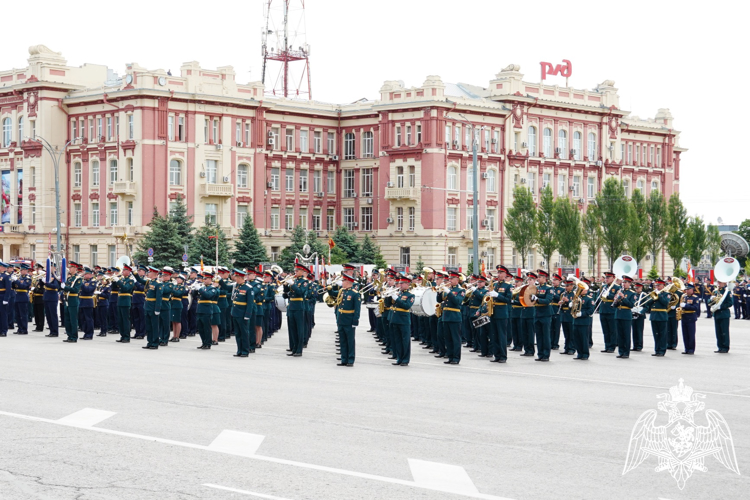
<point x="56" y="155"/>
<point x="475" y="204"/>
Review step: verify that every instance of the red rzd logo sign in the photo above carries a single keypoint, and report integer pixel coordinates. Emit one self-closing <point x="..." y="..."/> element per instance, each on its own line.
<point x="565" y="69"/>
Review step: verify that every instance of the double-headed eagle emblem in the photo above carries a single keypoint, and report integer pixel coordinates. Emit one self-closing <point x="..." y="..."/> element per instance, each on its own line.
<point x="681" y="446"/>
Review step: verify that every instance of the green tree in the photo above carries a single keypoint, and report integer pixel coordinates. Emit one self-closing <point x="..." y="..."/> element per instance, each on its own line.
<point x="567" y="227"/>
<point x="346" y="241"/>
<point x="182" y="221"/>
<point x="204" y="243"/>
<point x="316" y="245"/>
<point x="653" y="273"/>
<point x="338" y="256"/>
<point x="249" y="250"/>
<point x="713" y="243"/>
<point x="695" y="240"/>
<point x="676" y="228"/>
<point x="369" y="253"/>
<point x="164" y="239"/>
<point x="420" y="265"/>
<point x="744" y="231"/>
<point x="613" y="210"/>
<point x="637" y="222"/>
<point x="520" y="223"/>
<point x="592" y="234"/>
<point x="656" y="208"/>
<point x="289" y="253"/>
<point x="547" y="239"/>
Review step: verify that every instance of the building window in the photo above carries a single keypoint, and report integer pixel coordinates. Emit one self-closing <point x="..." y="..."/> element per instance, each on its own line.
<point x="546" y="180"/>
<point x="577" y="151"/>
<point x="238" y="132"/>
<point x="303" y="184"/>
<point x="275" y="179"/>
<point x="654" y="186"/>
<point x="111" y="255"/>
<point x="330" y="219"/>
<point x="331" y="182"/>
<point x="73" y="129"/>
<point x="349" y="184"/>
<point x="349" y="146"/>
<point x="399" y="177"/>
<point x="405" y="256"/>
<point x="131" y="170"/>
<point x="91" y="130"/>
<point x="470" y="179"/>
<point x="452" y="256"/>
<point x="366" y="174"/>
<point x="275" y="138"/>
<point x="32" y="251"/>
<point x="109" y="128"/>
<point x="77" y="175"/>
<point x="331" y="143"/>
<point x="562" y="143"/>
<point x="408" y="135"/>
<point x="530" y="260"/>
<point x="94" y="255"/>
<point x="452" y="178"/>
<point x="419" y="133"/>
<point x="496" y="141"/>
<point x="368" y="144"/>
<point x="289" y="176"/>
<point x="412" y="218"/>
<point x="20" y="129"/>
<point x="216" y="131"/>
<point x="317" y="181"/>
<point x="637" y="154"/>
<point x="181" y="128"/>
<point x="491" y="184"/>
<point x="576" y="186"/>
<point x="626" y="187"/>
<point x="170" y="128"/>
<point x="175" y="173"/>
<point x="547" y="142"/>
<point x="275" y="218"/>
<point x="112" y="171"/>
<point x="349" y="218"/>
<point x="639" y="186"/>
<point x="304" y="141"/>
<point x="592" y="147"/>
<point x="658" y="157"/>
<point x="33" y="213"/>
<point x="467" y="137"/>
<point x="366" y="219"/>
<point x="95" y="214"/>
<point x="303" y="217"/>
<point x="630" y="154"/>
<point x="274" y="254"/>
<point x="211" y="171"/>
<point x="77" y="215"/>
<point x="531" y="182"/>
<point x="316" y="219"/>
<point x="398" y="136"/>
<point x="32" y="180"/>
<point x="491" y="216"/>
<point x="399" y="219"/>
<point x="447" y="136"/>
<point x="490" y="258"/>
<point x="532" y="141"/>
<point x="242" y="171"/>
<point x="289" y="218"/>
<point x="412" y="176"/>
<point x="318" y="139"/>
<point x="94" y="173"/>
<point x="651" y="155"/>
<point x="590" y="188"/>
<point x="99" y="132"/>
<point x="211" y="212"/>
<point x="129" y="214"/>
<point x="77" y="253"/>
<point x="451" y="222"/>
<point x="470" y="218"/>
<point x="131" y="127"/>
<point x="113" y="219"/>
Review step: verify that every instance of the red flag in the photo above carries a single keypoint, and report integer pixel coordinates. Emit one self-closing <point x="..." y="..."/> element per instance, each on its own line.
<point x="331" y="243"/>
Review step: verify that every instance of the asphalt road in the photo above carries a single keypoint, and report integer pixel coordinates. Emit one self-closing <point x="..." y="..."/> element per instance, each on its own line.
<point x="101" y="420"/>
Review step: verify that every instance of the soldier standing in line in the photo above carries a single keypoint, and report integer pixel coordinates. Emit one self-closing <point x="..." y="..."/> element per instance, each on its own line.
<point x="639" y="318"/>
<point x="452" y="319"/>
<point x="243" y="311"/>
<point x="691" y="309"/>
<point x="501" y="296"/>
<point x="207" y="295"/>
<point x="566" y="320"/>
<point x="176" y="307"/>
<point x="297" y="292"/>
<point x="543" y="316"/>
<point x="71" y="288"/>
<point x="401" y="321"/>
<point x="625" y="300"/>
<point x="22" y="287"/>
<point x="348" y="319"/>
<point x="528" y="316"/>
<point x="38" y="302"/>
<point x="721" y="318"/>
<point x="556" y="292"/>
<point x="102" y="305"/>
<point x="582" y="325"/>
<point x="137" y="305"/>
<point x="658" y="317"/>
<point x="125" y="286"/>
<point x="86" y="302"/>
<point x="152" y="308"/>
<point x="515" y="318"/>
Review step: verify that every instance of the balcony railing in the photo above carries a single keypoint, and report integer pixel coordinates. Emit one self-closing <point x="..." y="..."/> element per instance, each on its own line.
<point x="484" y="234"/>
<point x="221" y="190"/>
<point x="402" y="193"/>
<point x="125" y="188"/>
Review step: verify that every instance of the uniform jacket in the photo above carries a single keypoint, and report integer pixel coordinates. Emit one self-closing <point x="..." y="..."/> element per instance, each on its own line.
<point x="22" y="286"/>
<point x="86" y="294"/>
<point x="207" y="296"/>
<point x="501" y="309"/>
<point x="544" y="296"/>
<point x="154" y="295"/>
<point x="297" y="293"/>
<point x="452" y="305"/>
<point x="401" y="308"/>
<point x="350" y="308"/>
<point x="243" y="301"/>
<point x="723" y="312"/>
<point x="692" y="308"/>
<point x="587" y="310"/>
<point x="659" y="307"/>
<point x="125" y="288"/>
<point x="623" y="310"/>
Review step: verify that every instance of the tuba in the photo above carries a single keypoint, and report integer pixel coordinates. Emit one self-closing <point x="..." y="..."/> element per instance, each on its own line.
<point x="577" y="303"/>
<point x="726" y="270"/>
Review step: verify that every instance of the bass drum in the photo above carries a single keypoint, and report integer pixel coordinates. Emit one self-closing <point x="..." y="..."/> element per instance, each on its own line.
<point x="280" y="302"/>
<point x="425" y="300"/>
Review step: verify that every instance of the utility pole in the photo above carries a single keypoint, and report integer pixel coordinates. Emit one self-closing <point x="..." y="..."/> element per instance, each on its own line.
<point x="56" y="155"/>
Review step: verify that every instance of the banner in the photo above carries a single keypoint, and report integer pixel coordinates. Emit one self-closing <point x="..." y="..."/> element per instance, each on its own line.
<point x="19" y="203"/>
<point x="5" y="192"/>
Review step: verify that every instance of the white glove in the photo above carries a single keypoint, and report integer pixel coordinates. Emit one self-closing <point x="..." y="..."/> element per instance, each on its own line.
<point x="713" y="308"/>
<point x="394" y="295"/>
<point x="638" y="310"/>
<point x="578" y="315"/>
<point x="533" y="298"/>
<point x="674" y="307"/>
<point x="5" y="302"/>
<point x="247" y="319"/>
<point x="493" y="294"/>
<point x="156" y="313"/>
<point x="62" y="286"/>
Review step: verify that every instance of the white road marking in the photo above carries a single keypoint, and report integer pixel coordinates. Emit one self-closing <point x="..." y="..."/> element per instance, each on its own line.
<point x="237" y="443"/>
<point x="244" y="492"/>
<point x="279" y="461"/>
<point x="442" y="476"/>
<point x="88" y="417"/>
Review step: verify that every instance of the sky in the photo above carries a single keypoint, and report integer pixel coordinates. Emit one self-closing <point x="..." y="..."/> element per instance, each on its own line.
<point x="661" y="54"/>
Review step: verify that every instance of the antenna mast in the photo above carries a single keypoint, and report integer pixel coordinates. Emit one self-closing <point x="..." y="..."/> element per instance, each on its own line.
<point x="284" y="41"/>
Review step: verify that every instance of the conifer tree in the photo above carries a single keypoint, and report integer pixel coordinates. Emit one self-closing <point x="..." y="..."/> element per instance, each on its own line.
<point x="369" y="253"/>
<point x="204" y="244"/>
<point x="165" y="241"/>
<point x="347" y="242"/>
<point x="249" y="250"/>
<point x="288" y="254"/>
<point x="182" y="221"/>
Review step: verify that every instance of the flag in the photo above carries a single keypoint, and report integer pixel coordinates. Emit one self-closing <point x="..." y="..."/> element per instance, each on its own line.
<point x="483" y="274"/>
<point x="201" y="264"/>
<point x="690" y="274"/>
<point x="331" y="243"/>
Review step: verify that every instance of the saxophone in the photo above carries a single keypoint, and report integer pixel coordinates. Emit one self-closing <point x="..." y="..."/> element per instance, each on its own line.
<point x="490" y="305"/>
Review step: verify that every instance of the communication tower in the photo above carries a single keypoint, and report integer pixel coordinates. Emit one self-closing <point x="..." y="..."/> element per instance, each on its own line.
<point x="284" y="41"/>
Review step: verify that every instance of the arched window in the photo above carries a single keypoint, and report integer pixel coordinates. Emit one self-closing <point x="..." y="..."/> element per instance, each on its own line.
<point x="242" y="175"/>
<point x="562" y="143"/>
<point x="175" y="173"/>
<point x="639" y="186"/>
<point x="654" y="186"/>
<point x="7" y="132"/>
<point x="20" y="129"/>
<point x="452" y="178"/>
<point x="532" y="141"/>
<point x="547" y="143"/>
<point x="112" y="171"/>
<point x="592" y="147"/>
<point x="94" y="172"/>
<point x="491" y="185"/>
<point x="577" y="145"/>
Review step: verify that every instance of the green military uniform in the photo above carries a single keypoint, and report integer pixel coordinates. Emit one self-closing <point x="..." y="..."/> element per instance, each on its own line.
<point x="543" y="321"/>
<point x="70" y="293"/>
<point x="225" y="288"/>
<point x="581" y="326"/>
<point x="153" y="309"/>
<point x="243" y="312"/>
<point x="499" y="320"/>
<point x="607" y="317"/>
<point x="566" y="322"/>
<point x="721" y="321"/>
<point x="658" y="318"/>
<point x="401" y="324"/>
<point x="295" y="312"/>
<point x="452" y="320"/>
<point x="350" y="304"/>
<point x="207" y="297"/>
<point x="624" y="318"/>
<point x="165" y="316"/>
<point x="125" y="286"/>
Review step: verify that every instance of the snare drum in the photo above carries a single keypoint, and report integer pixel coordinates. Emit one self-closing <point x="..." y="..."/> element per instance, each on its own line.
<point x="280" y="302"/>
<point x="425" y="300"/>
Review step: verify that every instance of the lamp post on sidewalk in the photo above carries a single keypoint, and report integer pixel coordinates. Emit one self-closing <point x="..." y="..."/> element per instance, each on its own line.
<point x="475" y="181"/>
<point x="56" y="154"/>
